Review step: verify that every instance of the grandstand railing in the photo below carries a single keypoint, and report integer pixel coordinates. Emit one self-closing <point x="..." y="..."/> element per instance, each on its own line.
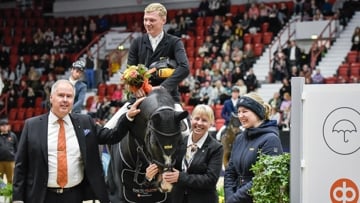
<point x="280" y="40"/>
<point x="95" y="42"/>
<point x="325" y="42"/>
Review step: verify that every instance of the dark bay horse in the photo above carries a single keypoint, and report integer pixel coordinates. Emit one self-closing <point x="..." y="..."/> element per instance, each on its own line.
<point x="153" y="138"/>
<point x="228" y="137"/>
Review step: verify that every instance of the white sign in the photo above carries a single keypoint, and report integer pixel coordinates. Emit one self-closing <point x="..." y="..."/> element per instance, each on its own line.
<point x="330" y="144"/>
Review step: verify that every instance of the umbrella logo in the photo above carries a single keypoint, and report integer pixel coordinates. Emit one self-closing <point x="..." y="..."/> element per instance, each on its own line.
<point x="344" y="126"/>
<point x="340" y="130"/>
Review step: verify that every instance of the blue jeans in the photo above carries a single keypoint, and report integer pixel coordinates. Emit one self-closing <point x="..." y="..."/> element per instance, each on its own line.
<point x="90" y="78"/>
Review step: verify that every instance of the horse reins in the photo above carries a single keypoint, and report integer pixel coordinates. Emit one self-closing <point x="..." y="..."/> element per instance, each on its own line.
<point x="140" y="149"/>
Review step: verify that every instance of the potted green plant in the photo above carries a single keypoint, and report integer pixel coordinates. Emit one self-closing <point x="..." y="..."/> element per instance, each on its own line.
<point x="5" y="191"/>
<point x="271" y="179"/>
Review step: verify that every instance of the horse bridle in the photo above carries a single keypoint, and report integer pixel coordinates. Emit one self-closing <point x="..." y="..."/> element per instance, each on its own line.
<point x="151" y="130"/>
<point x="140" y="150"/>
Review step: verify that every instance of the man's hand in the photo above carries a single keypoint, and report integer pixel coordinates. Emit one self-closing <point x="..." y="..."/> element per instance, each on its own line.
<point x="133" y="111"/>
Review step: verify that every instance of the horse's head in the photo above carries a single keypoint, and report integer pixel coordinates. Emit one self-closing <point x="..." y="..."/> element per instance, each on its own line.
<point x="228" y="136"/>
<point x="162" y="130"/>
<point x="234" y="121"/>
<point x="164" y="134"/>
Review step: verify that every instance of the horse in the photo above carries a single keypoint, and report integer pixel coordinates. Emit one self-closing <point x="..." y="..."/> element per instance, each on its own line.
<point x="153" y="138"/>
<point x="228" y="137"/>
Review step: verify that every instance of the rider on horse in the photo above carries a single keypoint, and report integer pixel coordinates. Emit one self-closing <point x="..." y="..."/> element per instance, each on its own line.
<point x="229" y="108"/>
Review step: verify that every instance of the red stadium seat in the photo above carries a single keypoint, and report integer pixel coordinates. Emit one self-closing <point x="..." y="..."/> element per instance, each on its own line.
<point x="247" y="38"/>
<point x="267" y="37"/>
<point x="258" y="49"/>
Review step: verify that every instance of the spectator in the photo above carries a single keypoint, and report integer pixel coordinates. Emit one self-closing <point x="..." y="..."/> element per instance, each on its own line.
<point x="315" y="54"/>
<point x="226" y="76"/>
<point x="62" y="64"/>
<point x="284" y="12"/>
<point x="230" y="106"/>
<point x="203" y="8"/>
<point x="285" y="109"/>
<point x="355" y="39"/>
<point x="248" y="55"/>
<point x="206" y="93"/>
<point x="23" y="47"/>
<point x="30" y="97"/>
<point x="219" y="93"/>
<point x="4" y="58"/>
<point x="89" y="70"/>
<point x="298" y="7"/>
<point x="8" y="149"/>
<point x="294" y="72"/>
<point x="293" y="54"/>
<point x="253" y="10"/>
<point x="47" y="89"/>
<point x="104" y="109"/>
<point x="94" y="107"/>
<point x="327" y="8"/>
<point x="286" y="87"/>
<point x="318" y="78"/>
<point x="264" y="13"/>
<point x="275" y="101"/>
<point x="276" y="116"/>
<point x="245" y="22"/>
<point x="117" y="96"/>
<point x="238" y="37"/>
<point x="77" y="71"/>
<point x="254" y="24"/>
<point x="279" y="68"/>
<point x="105" y="68"/>
<point x="237" y="75"/>
<point x="251" y="81"/>
<point x="195" y="95"/>
<point x="240" y="84"/>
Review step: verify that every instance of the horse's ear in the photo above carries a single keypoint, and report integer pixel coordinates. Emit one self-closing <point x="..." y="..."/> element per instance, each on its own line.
<point x="179" y="115"/>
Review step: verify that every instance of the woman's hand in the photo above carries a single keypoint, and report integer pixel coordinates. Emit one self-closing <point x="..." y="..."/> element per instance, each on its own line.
<point x="171" y="176"/>
<point x="151" y="171"/>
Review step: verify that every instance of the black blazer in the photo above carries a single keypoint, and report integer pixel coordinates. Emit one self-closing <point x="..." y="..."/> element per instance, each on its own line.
<point x="199" y="182"/>
<point x="170" y="46"/>
<point x="31" y="162"/>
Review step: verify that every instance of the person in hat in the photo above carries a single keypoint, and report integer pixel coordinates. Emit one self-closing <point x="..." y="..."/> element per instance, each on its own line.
<point x="260" y="134"/>
<point x="77" y="71"/>
<point x="229" y="107"/>
<point x="8" y="148"/>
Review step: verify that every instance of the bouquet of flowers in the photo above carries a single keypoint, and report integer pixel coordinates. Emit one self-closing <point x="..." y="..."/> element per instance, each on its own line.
<point x="137" y="77"/>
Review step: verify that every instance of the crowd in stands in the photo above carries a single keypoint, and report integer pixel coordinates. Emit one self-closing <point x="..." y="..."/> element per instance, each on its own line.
<point x="215" y="36"/>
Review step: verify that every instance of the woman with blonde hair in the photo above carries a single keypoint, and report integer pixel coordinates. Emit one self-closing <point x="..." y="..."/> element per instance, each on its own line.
<point x="198" y="162"/>
<point x="261" y="135"/>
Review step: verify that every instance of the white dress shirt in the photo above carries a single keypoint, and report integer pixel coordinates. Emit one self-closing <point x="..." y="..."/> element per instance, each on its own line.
<point x="156" y="40"/>
<point x="75" y="163"/>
